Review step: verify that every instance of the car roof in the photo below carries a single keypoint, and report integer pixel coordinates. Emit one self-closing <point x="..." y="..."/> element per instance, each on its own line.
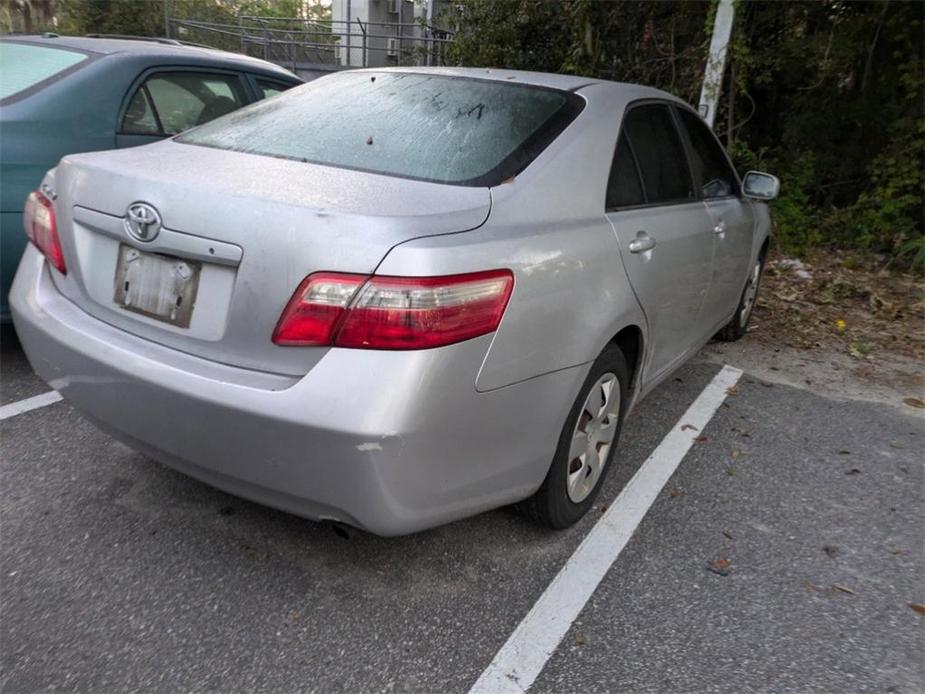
<point x="154" y="48"/>
<point x="572" y="83"/>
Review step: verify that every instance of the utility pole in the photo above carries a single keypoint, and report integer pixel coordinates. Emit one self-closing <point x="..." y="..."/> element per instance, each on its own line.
<point x="166" y="20"/>
<point x="716" y="61"/>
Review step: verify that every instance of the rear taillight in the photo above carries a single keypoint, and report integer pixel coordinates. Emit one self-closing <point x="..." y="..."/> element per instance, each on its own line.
<point x="42" y="230"/>
<point x="316" y="308"/>
<point x="394" y="312"/>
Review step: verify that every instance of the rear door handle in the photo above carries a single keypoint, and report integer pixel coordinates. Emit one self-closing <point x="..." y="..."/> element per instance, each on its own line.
<point x="642" y="243"/>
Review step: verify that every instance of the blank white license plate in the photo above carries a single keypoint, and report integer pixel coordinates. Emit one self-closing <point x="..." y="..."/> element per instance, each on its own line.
<point x="158" y="286"/>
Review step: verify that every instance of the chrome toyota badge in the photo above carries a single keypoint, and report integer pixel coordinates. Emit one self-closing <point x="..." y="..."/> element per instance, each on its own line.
<point x="142" y="222"/>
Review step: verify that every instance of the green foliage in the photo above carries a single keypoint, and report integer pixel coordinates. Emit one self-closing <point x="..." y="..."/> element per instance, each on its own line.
<point x="912" y="252"/>
<point x="827" y="94"/>
<point x="142" y="17"/>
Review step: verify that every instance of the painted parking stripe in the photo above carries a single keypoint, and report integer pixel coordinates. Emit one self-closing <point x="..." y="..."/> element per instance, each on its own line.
<point x="520" y="660"/>
<point x="33" y="403"/>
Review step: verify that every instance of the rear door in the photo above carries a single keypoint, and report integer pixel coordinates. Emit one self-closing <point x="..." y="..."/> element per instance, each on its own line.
<point x="732" y="217"/>
<point x="167" y="102"/>
<point x="664" y="231"/>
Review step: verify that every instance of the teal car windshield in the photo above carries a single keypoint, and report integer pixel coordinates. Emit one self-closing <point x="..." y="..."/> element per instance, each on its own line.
<point x="23" y="66"/>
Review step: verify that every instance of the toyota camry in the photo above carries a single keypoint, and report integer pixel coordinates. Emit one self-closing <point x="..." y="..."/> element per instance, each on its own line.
<point x="394" y="298"/>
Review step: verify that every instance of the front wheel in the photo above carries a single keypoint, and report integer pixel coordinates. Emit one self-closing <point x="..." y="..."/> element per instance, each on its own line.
<point x="736" y="328"/>
<point x="586" y="445"/>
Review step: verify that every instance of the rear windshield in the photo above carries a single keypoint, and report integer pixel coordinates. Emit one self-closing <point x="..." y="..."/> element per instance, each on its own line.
<point x="428" y="127"/>
<point x="24" y="66"/>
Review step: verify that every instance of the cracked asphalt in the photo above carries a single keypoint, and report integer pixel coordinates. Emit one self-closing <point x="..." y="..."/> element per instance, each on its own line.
<point x="119" y="574"/>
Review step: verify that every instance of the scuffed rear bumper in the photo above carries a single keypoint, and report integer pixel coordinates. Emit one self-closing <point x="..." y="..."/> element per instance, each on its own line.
<point x="392" y="442"/>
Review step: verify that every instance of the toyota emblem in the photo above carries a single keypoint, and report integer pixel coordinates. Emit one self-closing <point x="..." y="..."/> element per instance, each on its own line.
<point x="142" y="222"/>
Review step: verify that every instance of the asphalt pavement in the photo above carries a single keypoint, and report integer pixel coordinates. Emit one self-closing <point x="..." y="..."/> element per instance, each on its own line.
<point x="783" y="555"/>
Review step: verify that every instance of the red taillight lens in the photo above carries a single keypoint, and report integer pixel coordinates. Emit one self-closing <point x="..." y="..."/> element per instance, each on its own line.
<point x="42" y="230"/>
<point x="316" y="308"/>
<point x="394" y="312"/>
<point x="423" y="312"/>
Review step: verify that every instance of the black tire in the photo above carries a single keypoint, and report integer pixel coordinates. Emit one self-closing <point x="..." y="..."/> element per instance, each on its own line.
<point x="736" y="328"/>
<point x="551" y="505"/>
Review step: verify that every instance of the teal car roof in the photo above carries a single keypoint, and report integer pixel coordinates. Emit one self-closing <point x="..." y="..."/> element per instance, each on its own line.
<point x="151" y="48"/>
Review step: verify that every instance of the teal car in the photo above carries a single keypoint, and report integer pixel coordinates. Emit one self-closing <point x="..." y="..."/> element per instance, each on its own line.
<point x="61" y="95"/>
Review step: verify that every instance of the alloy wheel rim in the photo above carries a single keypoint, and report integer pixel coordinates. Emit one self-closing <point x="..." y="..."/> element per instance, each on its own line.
<point x="593" y="437"/>
<point x="751" y="291"/>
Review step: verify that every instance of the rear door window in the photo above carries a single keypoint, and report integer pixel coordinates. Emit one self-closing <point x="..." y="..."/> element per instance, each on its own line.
<point x="25" y="67"/>
<point x="658" y="148"/>
<point x="624" y="189"/>
<point x="168" y="103"/>
<point x="708" y="160"/>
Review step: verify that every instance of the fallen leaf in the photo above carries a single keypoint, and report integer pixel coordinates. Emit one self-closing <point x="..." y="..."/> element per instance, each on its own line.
<point x="843" y="589"/>
<point x="675" y="493"/>
<point x="809" y="585"/>
<point x="719" y="566"/>
<point x="689" y="427"/>
<point x="728" y="535"/>
<point x="369" y="140"/>
<point x="914" y="402"/>
<point x="732" y="390"/>
<point x="580" y="640"/>
<point x="840" y="325"/>
<point x="853" y="471"/>
<point x="918" y="607"/>
<point x="843" y="452"/>
<point x="701" y="439"/>
<point x="831" y="550"/>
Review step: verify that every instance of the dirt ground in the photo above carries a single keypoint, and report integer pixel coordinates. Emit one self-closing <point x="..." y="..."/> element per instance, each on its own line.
<point x="840" y="325"/>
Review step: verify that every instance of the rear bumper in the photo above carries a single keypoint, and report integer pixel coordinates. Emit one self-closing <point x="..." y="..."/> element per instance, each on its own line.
<point x="392" y="442"/>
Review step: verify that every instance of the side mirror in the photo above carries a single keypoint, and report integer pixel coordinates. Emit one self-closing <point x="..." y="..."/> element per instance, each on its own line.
<point x="760" y="185"/>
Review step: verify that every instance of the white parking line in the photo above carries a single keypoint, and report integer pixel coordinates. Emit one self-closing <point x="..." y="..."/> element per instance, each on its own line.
<point x="33" y="403"/>
<point x="519" y="662"/>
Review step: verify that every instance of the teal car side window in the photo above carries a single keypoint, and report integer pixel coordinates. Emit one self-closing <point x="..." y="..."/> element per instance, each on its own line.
<point x="168" y="103"/>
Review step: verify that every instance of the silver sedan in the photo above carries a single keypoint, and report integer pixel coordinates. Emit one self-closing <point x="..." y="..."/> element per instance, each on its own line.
<point x="394" y="298"/>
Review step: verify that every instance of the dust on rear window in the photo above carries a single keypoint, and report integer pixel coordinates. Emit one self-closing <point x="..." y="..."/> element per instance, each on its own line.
<point x="23" y="66"/>
<point x="429" y="127"/>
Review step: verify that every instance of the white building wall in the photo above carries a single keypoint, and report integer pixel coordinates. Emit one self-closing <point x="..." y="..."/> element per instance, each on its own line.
<point x="381" y="24"/>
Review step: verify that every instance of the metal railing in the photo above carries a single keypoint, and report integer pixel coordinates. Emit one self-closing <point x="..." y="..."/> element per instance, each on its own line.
<point x="301" y="42"/>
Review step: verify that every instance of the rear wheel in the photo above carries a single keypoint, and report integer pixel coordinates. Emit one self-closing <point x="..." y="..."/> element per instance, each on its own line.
<point x="736" y="328"/>
<point x="586" y="445"/>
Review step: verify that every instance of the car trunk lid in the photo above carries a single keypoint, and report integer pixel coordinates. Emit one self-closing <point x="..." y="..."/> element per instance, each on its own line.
<point x="244" y="228"/>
